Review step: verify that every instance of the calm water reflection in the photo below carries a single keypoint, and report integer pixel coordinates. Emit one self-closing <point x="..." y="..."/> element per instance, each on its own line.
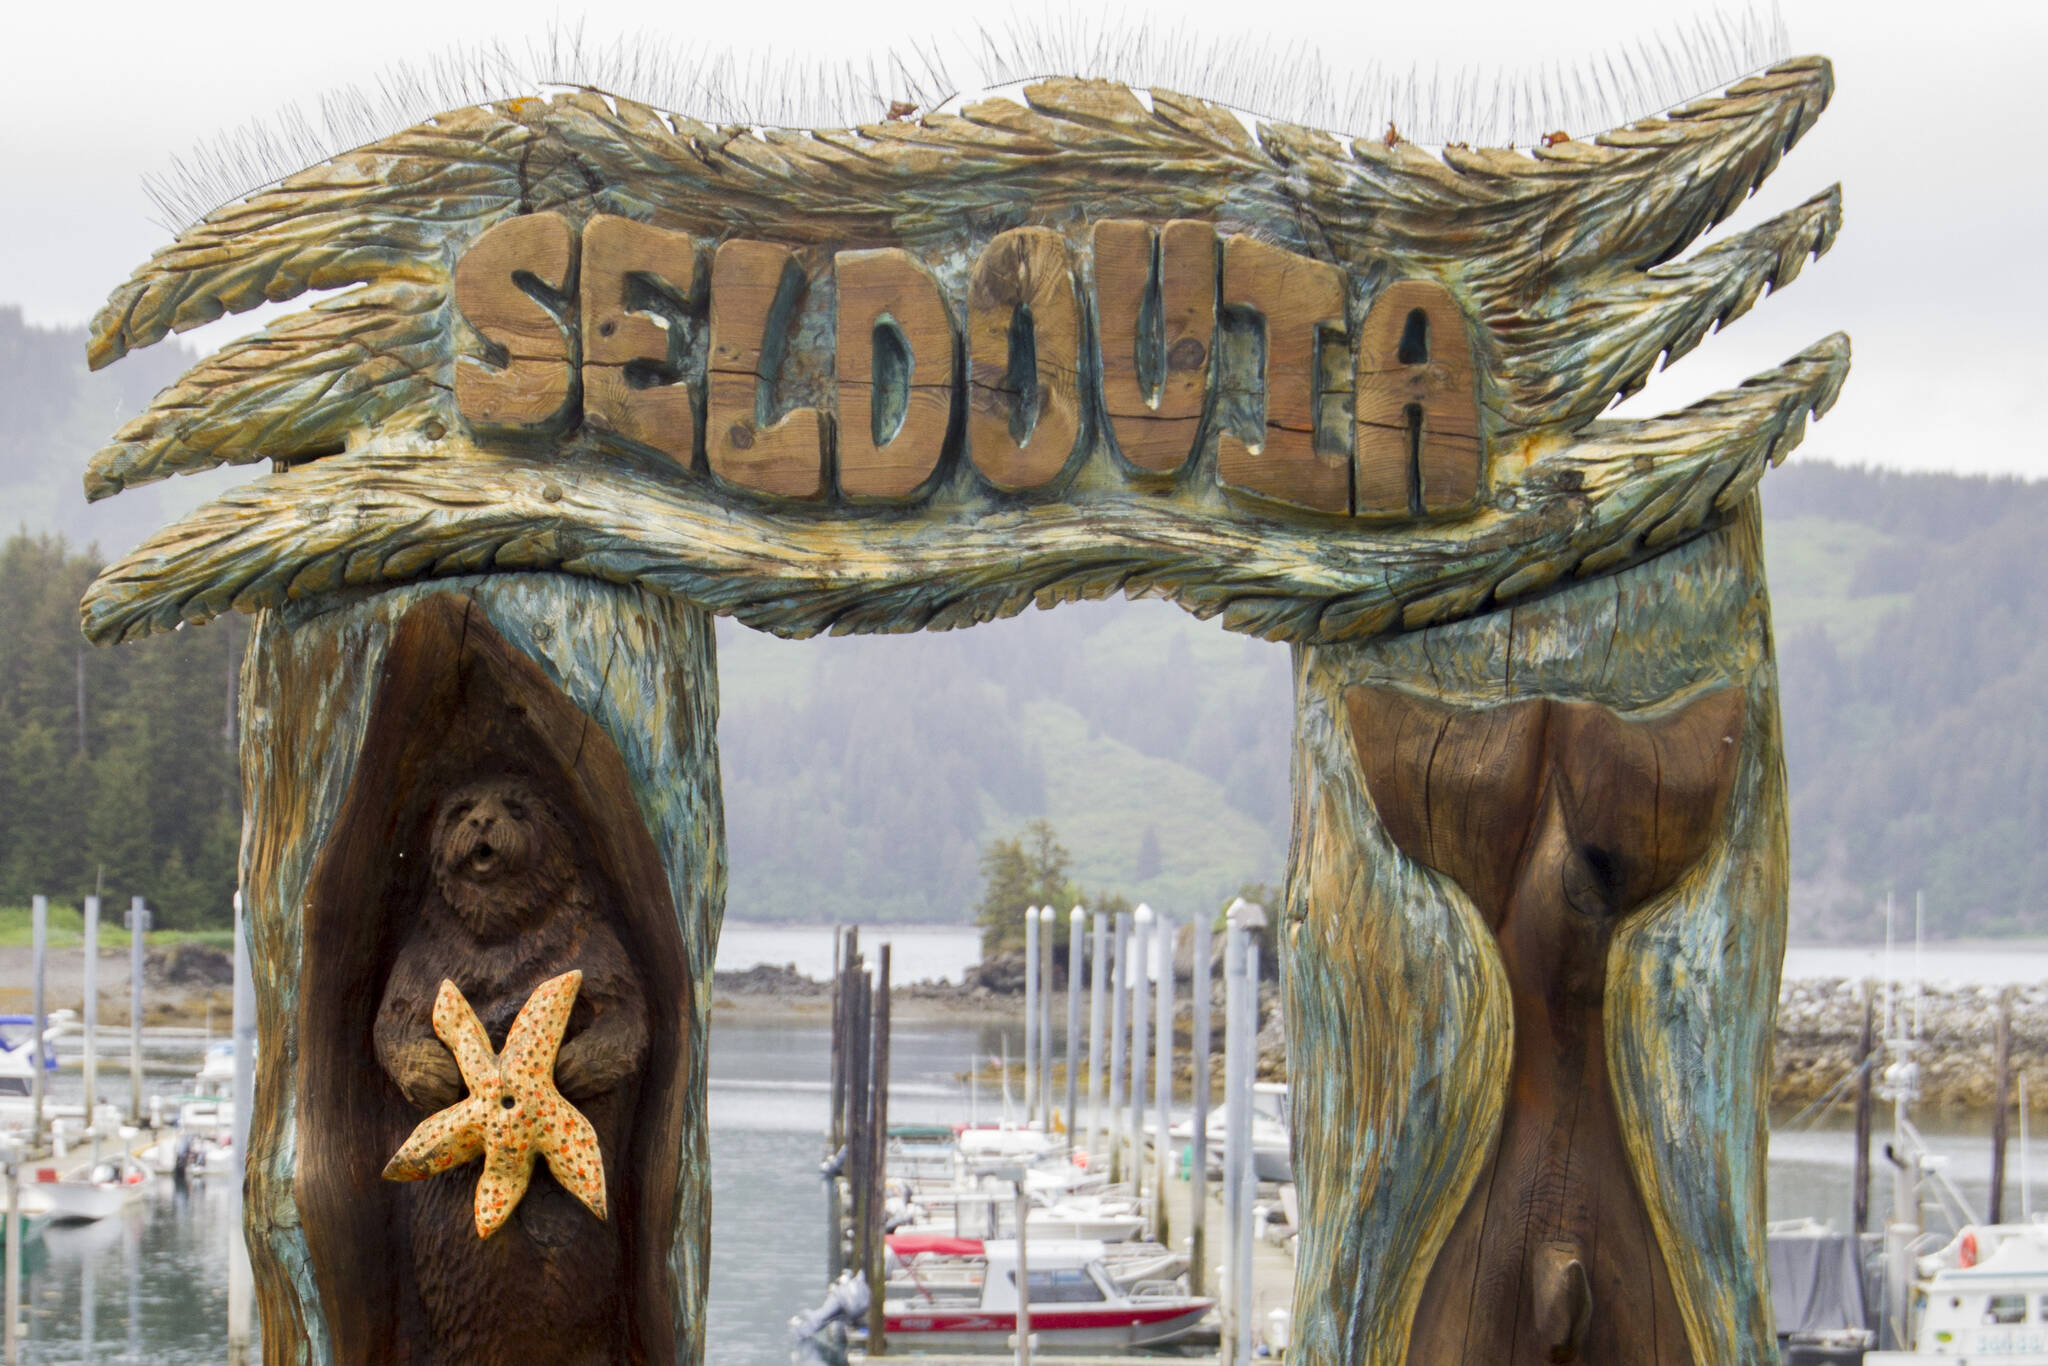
<point x="152" y="1286"/>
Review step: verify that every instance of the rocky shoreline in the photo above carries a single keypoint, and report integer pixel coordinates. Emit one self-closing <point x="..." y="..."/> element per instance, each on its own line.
<point x="1819" y="1024"/>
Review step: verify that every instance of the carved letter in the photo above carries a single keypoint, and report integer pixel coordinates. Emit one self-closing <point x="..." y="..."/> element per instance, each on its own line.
<point x="1155" y="360"/>
<point x="535" y="385"/>
<point x="1024" y="357"/>
<point x="754" y="291"/>
<point x="895" y="372"/>
<point x="620" y="343"/>
<point x="1299" y="298"/>
<point x="1418" y="423"/>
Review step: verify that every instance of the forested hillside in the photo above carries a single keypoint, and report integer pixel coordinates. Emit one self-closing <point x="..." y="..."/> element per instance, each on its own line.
<point x="865" y="777"/>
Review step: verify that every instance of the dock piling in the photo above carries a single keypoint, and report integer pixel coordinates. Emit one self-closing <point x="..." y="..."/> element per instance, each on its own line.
<point x="1141" y="949"/>
<point x="877" y="1264"/>
<point x="1098" y="988"/>
<point x="39" y="939"/>
<point x="2001" y="1104"/>
<point x="1119" y="963"/>
<point x="138" y="930"/>
<point x="1046" y="916"/>
<point x="1077" y="938"/>
<point x="1866" y="1067"/>
<point x="91" y="972"/>
<point x="1162" y="1073"/>
<point x="1199" y="999"/>
<point x="1030" y="1015"/>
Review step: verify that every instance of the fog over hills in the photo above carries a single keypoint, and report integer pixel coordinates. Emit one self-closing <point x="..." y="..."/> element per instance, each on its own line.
<point x="863" y="776"/>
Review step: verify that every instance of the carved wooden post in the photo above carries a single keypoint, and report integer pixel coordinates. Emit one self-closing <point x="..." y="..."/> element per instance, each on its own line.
<point x="360" y="719"/>
<point x="1536" y="915"/>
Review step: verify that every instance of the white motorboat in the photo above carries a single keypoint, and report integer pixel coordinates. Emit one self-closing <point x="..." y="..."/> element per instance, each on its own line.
<point x="1272" y="1150"/>
<point x="1982" y="1298"/>
<point x="95" y="1191"/>
<point x="978" y="1212"/>
<point x="1073" y="1302"/>
<point x="18" y="1050"/>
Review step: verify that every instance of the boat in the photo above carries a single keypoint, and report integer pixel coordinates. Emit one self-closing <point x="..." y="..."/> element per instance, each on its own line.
<point x="98" y="1190"/>
<point x="1817" y="1294"/>
<point x="1981" y="1298"/>
<point x="1272" y="1145"/>
<point x="1073" y="1302"/>
<point x="18" y="1051"/>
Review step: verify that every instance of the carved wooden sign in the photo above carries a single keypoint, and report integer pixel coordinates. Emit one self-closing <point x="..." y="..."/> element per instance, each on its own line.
<point x="596" y="371"/>
<point x="595" y="328"/>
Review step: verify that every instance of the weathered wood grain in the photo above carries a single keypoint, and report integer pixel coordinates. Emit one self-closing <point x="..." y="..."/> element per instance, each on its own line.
<point x="1412" y="1029"/>
<point x="391" y="514"/>
<point x="610" y="690"/>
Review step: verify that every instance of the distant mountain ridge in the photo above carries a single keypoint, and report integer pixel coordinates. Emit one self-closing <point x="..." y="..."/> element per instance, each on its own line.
<point x="864" y="775"/>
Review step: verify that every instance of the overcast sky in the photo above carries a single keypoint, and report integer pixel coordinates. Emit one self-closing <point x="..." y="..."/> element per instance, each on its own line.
<point x="1938" y="274"/>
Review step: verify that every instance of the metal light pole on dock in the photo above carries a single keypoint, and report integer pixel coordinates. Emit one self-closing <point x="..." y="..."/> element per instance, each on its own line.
<point x="1077" y="938"/>
<point x="1198" y="1139"/>
<point x="39" y="939"/>
<point x="138" y="928"/>
<point x="1141" y="948"/>
<point x="1030" y="1014"/>
<point x="1162" y="1080"/>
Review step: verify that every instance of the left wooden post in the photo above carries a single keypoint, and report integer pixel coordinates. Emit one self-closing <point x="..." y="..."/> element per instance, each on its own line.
<point x="363" y="719"/>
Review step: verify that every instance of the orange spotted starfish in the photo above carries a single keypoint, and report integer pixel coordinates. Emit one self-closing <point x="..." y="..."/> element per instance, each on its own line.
<point x="513" y="1113"/>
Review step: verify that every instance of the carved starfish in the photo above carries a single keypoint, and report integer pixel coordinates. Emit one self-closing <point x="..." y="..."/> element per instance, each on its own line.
<point x="513" y="1112"/>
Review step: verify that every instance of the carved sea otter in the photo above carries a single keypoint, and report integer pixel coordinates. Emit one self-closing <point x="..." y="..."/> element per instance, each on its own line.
<point x="509" y="909"/>
<point x="1558" y="819"/>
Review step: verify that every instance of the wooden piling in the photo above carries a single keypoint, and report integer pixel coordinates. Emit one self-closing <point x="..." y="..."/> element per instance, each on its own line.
<point x="877" y="1251"/>
<point x="1098" y="998"/>
<point x="2001" y="1104"/>
<point x="1865" y="1065"/>
<point x="857" y="1159"/>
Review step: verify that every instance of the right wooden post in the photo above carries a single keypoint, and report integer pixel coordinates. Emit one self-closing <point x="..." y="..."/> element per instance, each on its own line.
<point x="1536" y="914"/>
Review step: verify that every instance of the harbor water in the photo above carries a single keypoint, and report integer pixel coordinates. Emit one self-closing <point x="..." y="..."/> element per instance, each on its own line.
<point x="151" y="1285"/>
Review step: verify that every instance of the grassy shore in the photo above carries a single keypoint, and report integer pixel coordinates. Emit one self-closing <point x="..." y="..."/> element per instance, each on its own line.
<point x="67" y="930"/>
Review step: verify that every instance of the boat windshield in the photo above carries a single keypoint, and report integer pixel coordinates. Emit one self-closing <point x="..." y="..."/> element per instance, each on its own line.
<point x="1065" y="1286"/>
